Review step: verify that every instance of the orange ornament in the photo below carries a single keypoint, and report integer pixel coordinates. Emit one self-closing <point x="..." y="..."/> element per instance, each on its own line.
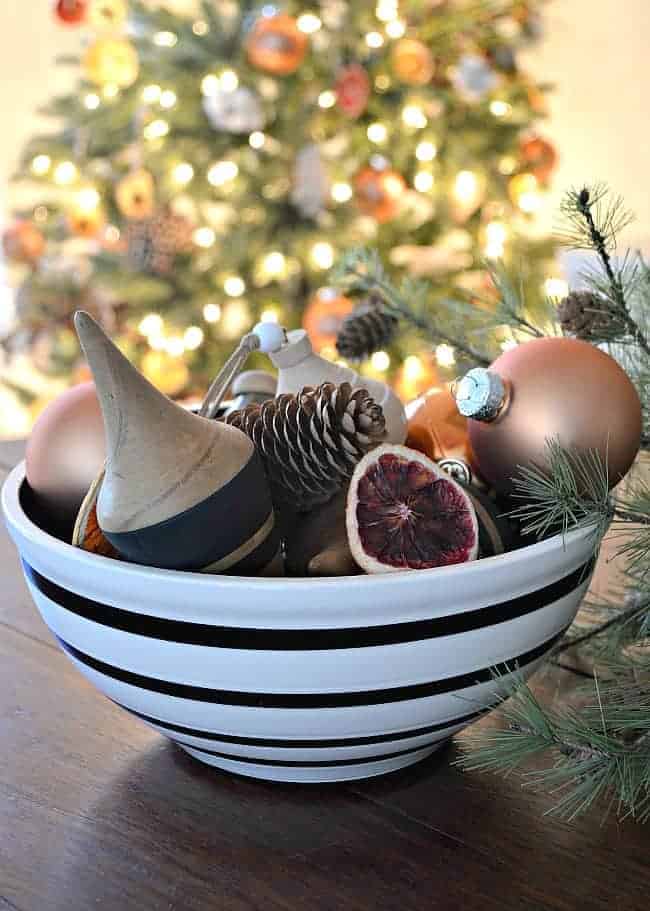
<point x="86" y="222"/>
<point x="112" y="60"/>
<point x="539" y="156"/>
<point x="23" y="242"/>
<point x="324" y="316"/>
<point x="134" y="194"/>
<point x="437" y="429"/>
<point x="378" y="193"/>
<point x="412" y="62"/>
<point x="276" y="45"/>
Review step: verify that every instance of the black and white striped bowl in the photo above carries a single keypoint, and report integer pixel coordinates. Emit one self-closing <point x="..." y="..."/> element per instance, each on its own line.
<point x="302" y="679"/>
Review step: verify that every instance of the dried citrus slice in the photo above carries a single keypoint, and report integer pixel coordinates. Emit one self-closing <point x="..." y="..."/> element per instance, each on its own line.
<point x="403" y="512"/>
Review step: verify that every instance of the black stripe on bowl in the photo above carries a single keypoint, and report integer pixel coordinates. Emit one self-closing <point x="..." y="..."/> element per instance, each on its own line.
<point x="306" y="744"/>
<point x="189" y="633"/>
<point x="308" y="700"/>
<point x="314" y="764"/>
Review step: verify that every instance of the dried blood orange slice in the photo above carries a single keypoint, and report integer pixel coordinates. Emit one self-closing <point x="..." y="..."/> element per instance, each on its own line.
<point x="403" y="512"/>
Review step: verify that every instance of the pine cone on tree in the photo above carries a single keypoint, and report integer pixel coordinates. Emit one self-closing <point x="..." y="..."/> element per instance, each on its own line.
<point x="153" y="243"/>
<point x="367" y="329"/>
<point x="310" y="442"/>
<point x="584" y="316"/>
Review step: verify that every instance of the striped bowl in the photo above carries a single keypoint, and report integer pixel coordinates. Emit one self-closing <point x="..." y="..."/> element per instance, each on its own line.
<point x="302" y="679"/>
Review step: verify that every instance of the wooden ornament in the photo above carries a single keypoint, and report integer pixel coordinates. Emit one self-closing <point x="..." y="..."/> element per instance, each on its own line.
<point x="378" y="193"/>
<point x="22" y="242"/>
<point x="111" y="61"/>
<point x="299" y="366"/>
<point x="317" y="543"/>
<point x="412" y="61"/>
<point x="276" y="45"/>
<point x="180" y="492"/>
<point x="135" y="195"/>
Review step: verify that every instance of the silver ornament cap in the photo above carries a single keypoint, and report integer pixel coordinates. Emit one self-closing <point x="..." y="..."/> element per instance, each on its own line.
<point x="480" y="394"/>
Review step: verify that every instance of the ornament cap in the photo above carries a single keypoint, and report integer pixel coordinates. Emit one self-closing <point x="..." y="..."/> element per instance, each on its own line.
<point x="481" y="394"/>
<point x="296" y="348"/>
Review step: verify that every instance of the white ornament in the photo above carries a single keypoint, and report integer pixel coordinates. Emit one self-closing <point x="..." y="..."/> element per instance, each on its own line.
<point x="311" y="184"/>
<point x="272" y="336"/>
<point x="235" y="111"/>
<point x="474" y="77"/>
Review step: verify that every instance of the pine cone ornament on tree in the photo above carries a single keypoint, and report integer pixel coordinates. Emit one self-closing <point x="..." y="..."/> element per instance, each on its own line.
<point x="153" y="243"/>
<point x="367" y="329"/>
<point x="584" y="316"/>
<point x="310" y="443"/>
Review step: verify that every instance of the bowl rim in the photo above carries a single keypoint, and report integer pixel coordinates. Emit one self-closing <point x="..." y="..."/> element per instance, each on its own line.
<point x="16" y="517"/>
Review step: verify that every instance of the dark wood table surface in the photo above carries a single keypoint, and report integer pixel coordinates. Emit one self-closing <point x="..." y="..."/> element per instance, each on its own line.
<point x="99" y="812"/>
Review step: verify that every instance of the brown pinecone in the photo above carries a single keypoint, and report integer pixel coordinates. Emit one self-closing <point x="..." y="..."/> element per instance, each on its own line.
<point x="367" y="329"/>
<point x="153" y="243"/>
<point x="583" y="315"/>
<point x="311" y="442"/>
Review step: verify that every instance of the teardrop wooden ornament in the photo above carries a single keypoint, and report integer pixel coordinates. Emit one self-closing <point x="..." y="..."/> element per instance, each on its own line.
<point x="180" y="491"/>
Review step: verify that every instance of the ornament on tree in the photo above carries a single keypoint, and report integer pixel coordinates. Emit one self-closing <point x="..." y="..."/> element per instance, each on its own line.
<point x="71" y="12"/>
<point x="111" y="61"/>
<point x="107" y="14"/>
<point x="523" y="190"/>
<point x="582" y="314"/>
<point x="539" y="157"/>
<point x="311" y="186"/>
<point x="412" y="61"/>
<point x="379" y="192"/>
<point x="172" y="474"/>
<point x="474" y="78"/>
<point x="22" y="242"/>
<point x="369" y="328"/>
<point x="352" y="89"/>
<point x="403" y="512"/>
<point x="298" y="366"/>
<point x="65" y="452"/>
<point x="134" y="194"/>
<point x="86" y="222"/>
<point x="167" y="373"/>
<point x="276" y="44"/>
<point x="152" y="244"/>
<point x="234" y="111"/>
<point x="310" y="442"/>
<point x="559" y="389"/>
<point x="324" y="315"/>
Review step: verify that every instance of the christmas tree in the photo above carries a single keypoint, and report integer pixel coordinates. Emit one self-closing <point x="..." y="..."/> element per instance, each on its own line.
<point x="217" y="158"/>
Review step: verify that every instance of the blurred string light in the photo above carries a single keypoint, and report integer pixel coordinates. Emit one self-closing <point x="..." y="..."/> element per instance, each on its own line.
<point x="374" y="40"/>
<point x="65" y="173"/>
<point x="377" y="133"/>
<point x="413" y="368"/>
<point x="341" y="192"/>
<point x="110" y="90"/>
<point x="382" y="82"/>
<point x="204" y="237"/>
<point x="308" y="23"/>
<point x="500" y="108"/>
<point x="275" y="264"/>
<point x="414" y="116"/>
<point x="423" y="181"/>
<point x="229" y="80"/>
<point x="168" y="99"/>
<point x="234" y="286"/>
<point x="221" y="172"/>
<point x="87" y="200"/>
<point x="236" y="318"/>
<point x="165" y="39"/>
<point x="41" y="164"/>
<point x="327" y="99"/>
<point x="256" y="140"/>
<point x="156" y="129"/>
<point x="425" y="151"/>
<point x="175" y="345"/>
<point x="466" y="186"/>
<point x="396" y="28"/>
<point x="496" y="233"/>
<point x="212" y="313"/>
<point x="193" y="338"/>
<point x="200" y="27"/>
<point x="386" y="10"/>
<point x="322" y="255"/>
<point x="445" y="356"/>
<point x="151" y="324"/>
<point x="210" y="84"/>
<point x="380" y="361"/>
<point x="183" y="173"/>
<point x="270" y="315"/>
<point x="151" y="93"/>
<point x="92" y="101"/>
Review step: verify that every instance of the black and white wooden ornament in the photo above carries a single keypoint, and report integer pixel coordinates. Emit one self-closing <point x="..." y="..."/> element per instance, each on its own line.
<point x="179" y="492"/>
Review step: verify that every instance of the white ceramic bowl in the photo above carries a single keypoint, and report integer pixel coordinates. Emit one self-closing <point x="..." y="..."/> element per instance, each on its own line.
<point x="302" y="679"/>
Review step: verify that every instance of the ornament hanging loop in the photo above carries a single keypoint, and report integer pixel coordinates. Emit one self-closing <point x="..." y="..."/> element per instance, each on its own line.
<point x="226" y="375"/>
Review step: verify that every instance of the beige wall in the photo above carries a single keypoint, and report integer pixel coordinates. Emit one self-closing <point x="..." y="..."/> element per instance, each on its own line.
<point x="596" y="51"/>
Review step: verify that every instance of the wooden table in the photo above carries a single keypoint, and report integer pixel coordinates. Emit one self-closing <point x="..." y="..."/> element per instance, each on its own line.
<point x="99" y="812"/>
